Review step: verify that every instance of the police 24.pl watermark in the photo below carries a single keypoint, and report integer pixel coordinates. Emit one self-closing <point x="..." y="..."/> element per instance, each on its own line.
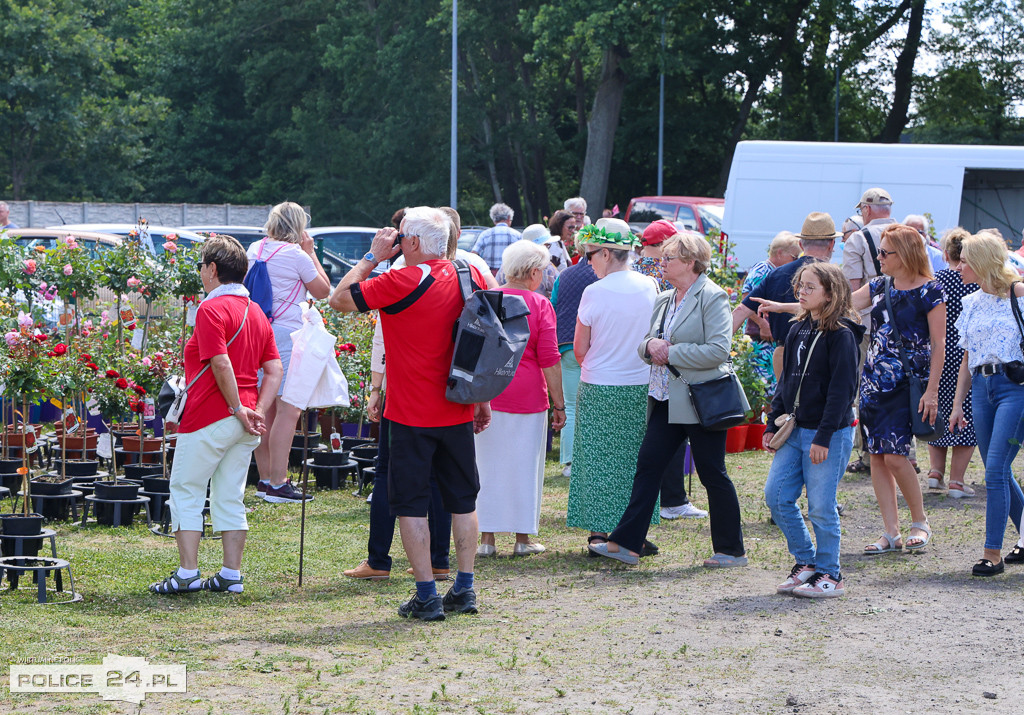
<point x="116" y="678"/>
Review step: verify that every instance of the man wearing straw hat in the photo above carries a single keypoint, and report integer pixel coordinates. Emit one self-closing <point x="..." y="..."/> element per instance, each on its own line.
<point x="817" y="239"/>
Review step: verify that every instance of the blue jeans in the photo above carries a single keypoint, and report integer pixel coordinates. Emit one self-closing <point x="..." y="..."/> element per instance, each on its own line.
<point x="570" y="388"/>
<point x="790" y="472"/>
<point x="998" y="406"/>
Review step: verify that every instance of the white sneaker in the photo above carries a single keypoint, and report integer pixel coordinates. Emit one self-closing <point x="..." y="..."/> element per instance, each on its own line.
<point x="686" y="511"/>
<point x="567" y="470"/>
<point x="820" y="585"/>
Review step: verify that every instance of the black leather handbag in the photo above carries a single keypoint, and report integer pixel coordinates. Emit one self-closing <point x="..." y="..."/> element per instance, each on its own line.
<point x="719" y="403"/>
<point x="924" y="431"/>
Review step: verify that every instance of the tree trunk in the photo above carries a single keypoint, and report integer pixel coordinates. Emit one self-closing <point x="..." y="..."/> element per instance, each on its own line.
<point x="604" y="120"/>
<point x="754" y="82"/>
<point x="897" y="120"/>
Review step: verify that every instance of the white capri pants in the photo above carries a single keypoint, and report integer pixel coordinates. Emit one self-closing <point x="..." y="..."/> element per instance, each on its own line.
<point x="218" y="455"/>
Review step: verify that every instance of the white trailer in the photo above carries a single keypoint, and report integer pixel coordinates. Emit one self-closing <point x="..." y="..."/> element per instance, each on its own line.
<point x="774" y="185"/>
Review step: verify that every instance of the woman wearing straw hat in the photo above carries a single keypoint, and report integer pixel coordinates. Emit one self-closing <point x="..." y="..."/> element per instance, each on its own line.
<point x="612" y="403"/>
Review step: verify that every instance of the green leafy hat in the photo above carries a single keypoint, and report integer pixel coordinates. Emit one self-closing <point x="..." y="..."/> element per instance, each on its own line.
<point x="608" y="232"/>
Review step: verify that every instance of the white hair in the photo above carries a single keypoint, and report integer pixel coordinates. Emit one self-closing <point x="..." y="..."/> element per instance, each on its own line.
<point x="501" y="212"/>
<point x="430" y="225"/>
<point x="919" y="222"/>
<point x="521" y="257"/>
<point x="575" y="201"/>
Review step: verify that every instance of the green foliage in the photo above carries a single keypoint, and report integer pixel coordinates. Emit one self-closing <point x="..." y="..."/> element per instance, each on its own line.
<point x="753" y="384"/>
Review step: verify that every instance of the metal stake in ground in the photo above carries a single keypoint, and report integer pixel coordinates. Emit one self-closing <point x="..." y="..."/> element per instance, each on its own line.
<point x="305" y="481"/>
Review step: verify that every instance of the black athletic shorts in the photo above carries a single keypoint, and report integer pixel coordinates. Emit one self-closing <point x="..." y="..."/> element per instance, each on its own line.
<point x="449" y="451"/>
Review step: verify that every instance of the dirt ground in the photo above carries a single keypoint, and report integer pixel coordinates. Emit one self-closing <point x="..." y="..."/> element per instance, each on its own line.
<point x="563" y="633"/>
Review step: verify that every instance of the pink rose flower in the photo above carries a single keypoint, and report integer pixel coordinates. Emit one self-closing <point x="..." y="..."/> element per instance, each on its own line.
<point x="30" y="266"/>
<point x="68" y="270"/>
<point x="170" y="246"/>
<point x="11" y="338"/>
<point x="146" y="361"/>
<point x="133" y="282"/>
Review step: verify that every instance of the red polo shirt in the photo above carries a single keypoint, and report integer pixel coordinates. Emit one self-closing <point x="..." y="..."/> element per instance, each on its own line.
<point x="418" y="309"/>
<point x="216" y="322"/>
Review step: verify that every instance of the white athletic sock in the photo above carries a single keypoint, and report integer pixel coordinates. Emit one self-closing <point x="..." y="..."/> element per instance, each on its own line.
<point x="189" y="573"/>
<point x="233" y="575"/>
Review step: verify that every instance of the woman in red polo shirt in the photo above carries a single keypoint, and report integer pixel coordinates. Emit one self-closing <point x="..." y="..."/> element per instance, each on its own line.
<point x="223" y="418"/>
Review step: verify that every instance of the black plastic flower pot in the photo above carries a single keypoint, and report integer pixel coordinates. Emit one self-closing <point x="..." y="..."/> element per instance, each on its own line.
<point x="18" y="525"/>
<point x="11" y="481"/>
<point x="326" y="458"/>
<point x="365" y="452"/>
<point x="156" y="484"/>
<point x="121" y="491"/>
<point x="300" y="440"/>
<point x="9" y="466"/>
<point x="77" y="467"/>
<point x="50" y="486"/>
<point x="139" y="471"/>
<point x="353" y="442"/>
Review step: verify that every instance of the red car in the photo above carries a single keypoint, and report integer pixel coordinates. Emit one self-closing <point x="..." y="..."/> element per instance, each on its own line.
<point x="697" y="213"/>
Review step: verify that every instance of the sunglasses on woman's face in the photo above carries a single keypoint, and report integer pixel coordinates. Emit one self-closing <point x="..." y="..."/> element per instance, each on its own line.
<point x="885" y="254"/>
<point x="590" y="254"/>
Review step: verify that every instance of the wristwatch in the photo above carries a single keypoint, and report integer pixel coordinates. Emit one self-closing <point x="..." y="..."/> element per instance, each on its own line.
<point x="234" y="410"/>
<point x="371" y="258"/>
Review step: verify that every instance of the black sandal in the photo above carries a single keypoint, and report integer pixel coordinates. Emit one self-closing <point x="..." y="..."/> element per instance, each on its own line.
<point x="595" y="539"/>
<point x="649" y="549"/>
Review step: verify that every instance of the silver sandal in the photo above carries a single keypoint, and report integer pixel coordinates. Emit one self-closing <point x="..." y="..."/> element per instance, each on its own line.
<point x="923" y="526"/>
<point x="885" y="544"/>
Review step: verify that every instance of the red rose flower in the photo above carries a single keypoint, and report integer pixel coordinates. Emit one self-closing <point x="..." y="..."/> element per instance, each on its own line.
<point x="139" y="389"/>
<point x="93" y="366"/>
<point x="113" y="374"/>
<point x="121" y="383"/>
<point x="60" y="348"/>
<point x="85" y="357"/>
<point x="51" y="354"/>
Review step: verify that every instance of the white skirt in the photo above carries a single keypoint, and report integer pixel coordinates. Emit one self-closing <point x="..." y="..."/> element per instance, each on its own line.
<point x="510" y="460"/>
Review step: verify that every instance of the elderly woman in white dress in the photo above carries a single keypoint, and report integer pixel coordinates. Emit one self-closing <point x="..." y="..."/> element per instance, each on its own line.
<point x="510" y="454"/>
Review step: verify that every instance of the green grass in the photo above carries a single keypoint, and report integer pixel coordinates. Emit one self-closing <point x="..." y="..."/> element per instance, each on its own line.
<point x="672" y="628"/>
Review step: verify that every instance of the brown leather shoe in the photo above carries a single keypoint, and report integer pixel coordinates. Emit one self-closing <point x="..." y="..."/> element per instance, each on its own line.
<point x="439" y="574"/>
<point x="364" y="572"/>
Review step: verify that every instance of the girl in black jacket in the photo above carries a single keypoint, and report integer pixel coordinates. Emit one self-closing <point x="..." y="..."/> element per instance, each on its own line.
<point x="819" y="370"/>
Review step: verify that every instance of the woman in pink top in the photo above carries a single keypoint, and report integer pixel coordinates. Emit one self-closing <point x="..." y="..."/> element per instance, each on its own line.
<point x="510" y="454"/>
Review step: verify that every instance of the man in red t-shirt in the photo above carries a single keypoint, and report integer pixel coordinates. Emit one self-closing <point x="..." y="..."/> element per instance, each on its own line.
<point x="419" y="305"/>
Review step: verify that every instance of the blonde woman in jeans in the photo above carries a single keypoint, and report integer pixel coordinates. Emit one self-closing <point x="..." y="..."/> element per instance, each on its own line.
<point x="992" y="341"/>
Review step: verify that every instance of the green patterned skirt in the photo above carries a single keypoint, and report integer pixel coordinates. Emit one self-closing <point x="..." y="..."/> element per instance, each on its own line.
<point x="610" y="425"/>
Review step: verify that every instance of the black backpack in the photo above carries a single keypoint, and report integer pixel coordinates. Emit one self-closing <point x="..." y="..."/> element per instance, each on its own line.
<point x="490" y="338"/>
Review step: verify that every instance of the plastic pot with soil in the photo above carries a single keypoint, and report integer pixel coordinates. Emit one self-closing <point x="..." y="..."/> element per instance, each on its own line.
<point x="21" y="525"/>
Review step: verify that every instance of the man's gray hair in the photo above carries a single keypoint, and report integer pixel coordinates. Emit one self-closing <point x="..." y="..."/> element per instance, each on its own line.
<point x="576" y="201"/>
<point x="430" y="225"/>
<point x="502" y="212"/>
<point x="917" y="221"/>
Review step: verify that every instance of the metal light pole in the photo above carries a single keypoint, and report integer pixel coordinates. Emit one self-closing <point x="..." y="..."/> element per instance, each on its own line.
<point x="455" y="105"/>
<point x="661" y="113"/>
<point x="835" y="133"/>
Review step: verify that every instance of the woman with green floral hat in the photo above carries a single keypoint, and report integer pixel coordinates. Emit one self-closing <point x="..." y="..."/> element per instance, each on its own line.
<point x="612" y="403"/>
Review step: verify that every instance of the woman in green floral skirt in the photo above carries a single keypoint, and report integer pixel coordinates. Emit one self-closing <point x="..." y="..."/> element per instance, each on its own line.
<point x="612" y="404"/>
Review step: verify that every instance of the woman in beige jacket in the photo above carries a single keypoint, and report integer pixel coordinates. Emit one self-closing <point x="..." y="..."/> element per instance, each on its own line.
<point x="688" y="341"/>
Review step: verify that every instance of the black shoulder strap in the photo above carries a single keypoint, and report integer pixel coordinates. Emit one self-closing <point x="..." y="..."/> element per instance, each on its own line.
<point x="466" y="285"/>
<point x="874" y="251"/>
<point x="895" y="328"/>
<point x="1016" y="314"/>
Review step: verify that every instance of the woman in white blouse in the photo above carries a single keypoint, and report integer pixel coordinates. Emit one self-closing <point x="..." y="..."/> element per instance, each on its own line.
<point x="991" y="340"/>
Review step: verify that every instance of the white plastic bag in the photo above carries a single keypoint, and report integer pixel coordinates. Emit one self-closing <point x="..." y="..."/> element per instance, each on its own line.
<point x="314" y="378"/>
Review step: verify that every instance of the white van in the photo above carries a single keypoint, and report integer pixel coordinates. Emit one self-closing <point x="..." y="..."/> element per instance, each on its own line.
<point x="774" y="185"/>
